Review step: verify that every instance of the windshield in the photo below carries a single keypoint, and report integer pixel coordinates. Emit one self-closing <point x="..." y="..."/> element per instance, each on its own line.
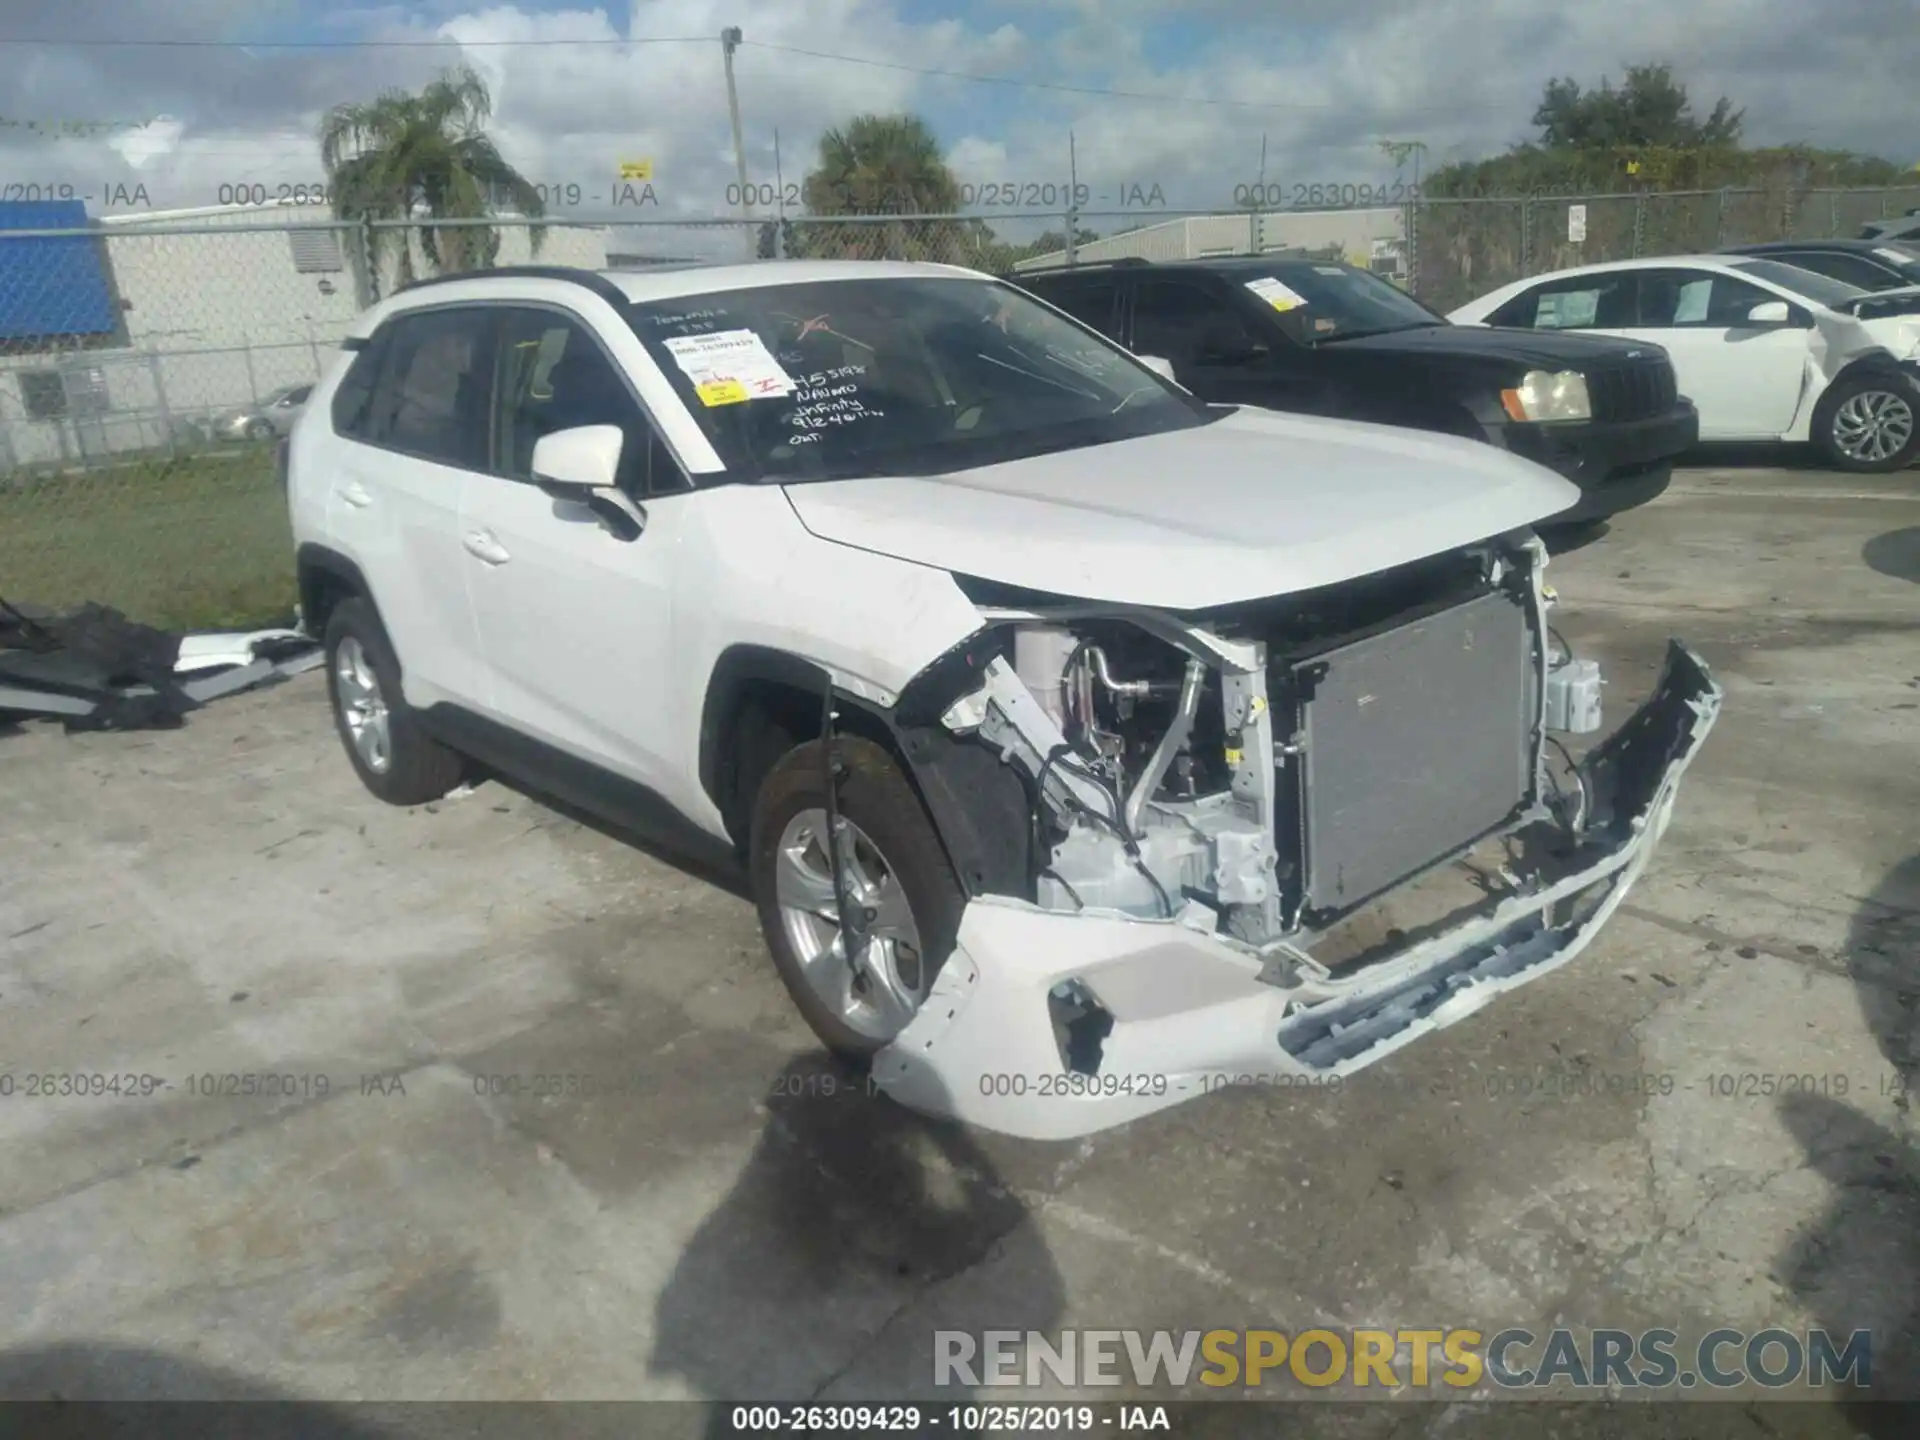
<point x="838" y="379"/>
<point x="1820" y="288"/>
<point x="1335" y="302"/>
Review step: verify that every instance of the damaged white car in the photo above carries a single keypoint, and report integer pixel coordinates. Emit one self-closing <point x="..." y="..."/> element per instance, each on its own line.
<point x="1135" y="709"/>
<point x="1764" y="349"/>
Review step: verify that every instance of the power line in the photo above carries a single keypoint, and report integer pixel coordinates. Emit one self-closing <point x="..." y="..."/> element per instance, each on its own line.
<point x="91" y="43"/>
<point x="1011" y="81"/>
<point x="1068" y="89"/>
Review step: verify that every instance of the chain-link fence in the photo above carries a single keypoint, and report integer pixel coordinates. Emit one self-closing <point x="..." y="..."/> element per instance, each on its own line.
<point x="1466" y="247"/>
<point x="145" y="365"/>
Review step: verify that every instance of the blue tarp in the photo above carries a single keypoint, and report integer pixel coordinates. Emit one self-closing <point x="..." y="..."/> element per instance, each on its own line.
<point x="57" y="285"/>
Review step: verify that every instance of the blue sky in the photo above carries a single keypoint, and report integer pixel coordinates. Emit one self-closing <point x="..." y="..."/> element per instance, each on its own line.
<point x="1335" y="77"/>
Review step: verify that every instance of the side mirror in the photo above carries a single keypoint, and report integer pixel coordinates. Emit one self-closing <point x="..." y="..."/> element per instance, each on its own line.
<point x="578" y="467"/>
<point x="1160" y="367"/>
<point x="1769" y="312"/>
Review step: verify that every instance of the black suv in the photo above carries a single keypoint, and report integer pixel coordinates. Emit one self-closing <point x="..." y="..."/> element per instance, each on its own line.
<point x="1322" y="338"/>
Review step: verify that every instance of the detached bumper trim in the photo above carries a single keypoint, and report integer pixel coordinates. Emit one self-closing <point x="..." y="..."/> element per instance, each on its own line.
<point x="1189" y="1012"/>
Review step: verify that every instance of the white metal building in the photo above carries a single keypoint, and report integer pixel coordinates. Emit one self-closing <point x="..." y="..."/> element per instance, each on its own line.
<point x="1374" y="238"/>
<point x="202" y="321"/>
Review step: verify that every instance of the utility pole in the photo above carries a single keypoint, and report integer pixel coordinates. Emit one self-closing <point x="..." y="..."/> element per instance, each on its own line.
<point x="729" y="42"/>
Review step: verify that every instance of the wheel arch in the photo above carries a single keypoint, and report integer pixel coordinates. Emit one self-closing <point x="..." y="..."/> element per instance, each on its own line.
<point x="324" y="578"/>
<point x="761" y="701"/>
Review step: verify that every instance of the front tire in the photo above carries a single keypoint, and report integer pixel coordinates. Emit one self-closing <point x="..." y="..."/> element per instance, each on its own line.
<point x="388" y="746"/>
<point x="897" y="869"/>
<point x="1866" y="424"/>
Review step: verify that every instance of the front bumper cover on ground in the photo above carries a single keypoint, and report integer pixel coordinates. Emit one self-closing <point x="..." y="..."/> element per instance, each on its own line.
<point x="1189" y="1010"/>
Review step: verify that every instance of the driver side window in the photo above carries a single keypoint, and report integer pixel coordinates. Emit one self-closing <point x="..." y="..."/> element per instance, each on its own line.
<point x="1695" y="299"/>
<point x="552" y="375"/>
<point x="1188" y="324"/>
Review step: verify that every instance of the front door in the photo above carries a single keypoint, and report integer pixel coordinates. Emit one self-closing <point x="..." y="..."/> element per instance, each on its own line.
<point x="576" y="624"/>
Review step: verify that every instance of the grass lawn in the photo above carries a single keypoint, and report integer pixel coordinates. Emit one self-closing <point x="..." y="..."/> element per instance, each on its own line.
<point x="194" y="543"/>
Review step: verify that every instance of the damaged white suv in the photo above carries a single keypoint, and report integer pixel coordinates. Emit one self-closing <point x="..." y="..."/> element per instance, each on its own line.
<point x="1139" y="707"/>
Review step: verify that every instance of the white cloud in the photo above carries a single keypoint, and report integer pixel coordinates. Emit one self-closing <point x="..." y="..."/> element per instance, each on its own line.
<point x="1462" y="75"/>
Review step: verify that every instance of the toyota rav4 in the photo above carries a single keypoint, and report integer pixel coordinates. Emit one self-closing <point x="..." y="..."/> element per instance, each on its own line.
<point x="1071" y="732"/>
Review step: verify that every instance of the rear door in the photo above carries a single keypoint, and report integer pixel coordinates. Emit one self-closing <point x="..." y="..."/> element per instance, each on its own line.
<point x="575" y="623"/>
<point x="417" y="435"/>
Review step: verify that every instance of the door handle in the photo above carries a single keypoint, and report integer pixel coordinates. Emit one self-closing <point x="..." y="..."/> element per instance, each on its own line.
<point x="355" y="494"/>
<point x="481" y="545"/>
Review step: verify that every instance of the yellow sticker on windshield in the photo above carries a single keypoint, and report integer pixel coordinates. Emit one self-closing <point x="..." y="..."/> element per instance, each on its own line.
<point x="721" y="392"/>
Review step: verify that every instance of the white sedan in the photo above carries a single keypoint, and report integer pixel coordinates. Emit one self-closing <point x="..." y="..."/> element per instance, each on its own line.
<point x="1766" y="351"/>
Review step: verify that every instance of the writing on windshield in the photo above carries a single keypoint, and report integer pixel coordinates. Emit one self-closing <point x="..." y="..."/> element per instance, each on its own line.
<point x="896" y="375"/>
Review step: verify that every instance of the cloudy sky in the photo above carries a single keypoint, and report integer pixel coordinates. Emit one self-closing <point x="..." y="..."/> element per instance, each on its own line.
<point x="1174" y="95"/>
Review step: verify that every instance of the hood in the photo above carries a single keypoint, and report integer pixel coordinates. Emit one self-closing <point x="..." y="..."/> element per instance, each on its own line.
<point x="1526" y="349"/>
<point x="1255" y="504"/>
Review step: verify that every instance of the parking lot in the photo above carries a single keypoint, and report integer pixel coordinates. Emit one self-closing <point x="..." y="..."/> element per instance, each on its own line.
<point x="1702" y="1122"/>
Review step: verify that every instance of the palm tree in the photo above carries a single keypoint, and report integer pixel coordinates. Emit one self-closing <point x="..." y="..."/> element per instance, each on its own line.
<point x="425" y="157"/>
<point x="883" y="165"/>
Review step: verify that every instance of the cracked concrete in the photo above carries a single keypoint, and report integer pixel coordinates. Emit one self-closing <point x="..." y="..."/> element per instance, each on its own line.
<point x="527" y="1114"/>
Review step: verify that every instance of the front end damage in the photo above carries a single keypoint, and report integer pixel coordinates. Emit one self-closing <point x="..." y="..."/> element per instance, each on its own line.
<point x="1222" y="802"/>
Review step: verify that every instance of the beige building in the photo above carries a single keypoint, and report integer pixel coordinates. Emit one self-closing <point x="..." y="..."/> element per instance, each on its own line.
<point x="1375" y="238"/>
<point x="227" y="306"/>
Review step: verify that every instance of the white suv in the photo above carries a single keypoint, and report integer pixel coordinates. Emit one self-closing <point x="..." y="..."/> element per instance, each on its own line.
<point x="1118" y="704"/>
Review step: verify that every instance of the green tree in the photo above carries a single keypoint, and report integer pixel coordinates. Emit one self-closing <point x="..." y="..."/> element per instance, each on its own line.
<point x="1650" y="109"/>
<point x="1644" y="135"/>
<point x="885" y="165"/>
<point x="426" y="157"/>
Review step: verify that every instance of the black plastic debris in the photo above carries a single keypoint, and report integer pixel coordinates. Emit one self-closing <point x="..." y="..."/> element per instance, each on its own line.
<point x="94" y="669"/>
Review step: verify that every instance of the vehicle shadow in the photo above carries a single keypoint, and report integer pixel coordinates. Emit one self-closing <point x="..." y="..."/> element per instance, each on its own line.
<point x="1895" y="554"/>
<point x="1858" y="1266"/>
<point x="1775" y="455"/>
<point x="851" y="1211"/>
<point x="1565" y="539"/>
<point x="88" y="1388"/>
<point x="692" y="853"/>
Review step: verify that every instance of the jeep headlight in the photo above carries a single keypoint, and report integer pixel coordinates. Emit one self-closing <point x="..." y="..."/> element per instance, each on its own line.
<point x="1544" y="396"/>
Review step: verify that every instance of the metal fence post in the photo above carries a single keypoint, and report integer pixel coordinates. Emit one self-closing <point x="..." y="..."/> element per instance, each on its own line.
<point x="1073" y="224"/>
<point x="1833" y="212"/>
<point x="253" y="381"/>
<point x="1720" y="217"/>
<point x="370" y="258"/>
<point x="1410" y="244"/>
<point x="1639" y="222"/>
<point x="1526" y="234"/>
<point x="160" y="398"/>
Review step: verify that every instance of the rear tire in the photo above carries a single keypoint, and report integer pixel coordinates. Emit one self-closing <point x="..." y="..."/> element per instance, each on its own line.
<point x="903" y="869"/>
<point x="1866" y="424"/>
<point x="389" y="748"/>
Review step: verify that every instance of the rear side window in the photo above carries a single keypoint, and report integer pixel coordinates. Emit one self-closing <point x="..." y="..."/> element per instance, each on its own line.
<point x="431" y="397"/>
<point x="353" y="397"/>
<point x="1583" y="302"/>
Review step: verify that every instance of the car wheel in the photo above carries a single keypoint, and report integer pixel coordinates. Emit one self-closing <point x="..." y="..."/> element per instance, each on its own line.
<point x="390" y="749"/>
<point x="258" y="429"/>
<point x="1866" y="423"/>
<point x="895" y="867"/>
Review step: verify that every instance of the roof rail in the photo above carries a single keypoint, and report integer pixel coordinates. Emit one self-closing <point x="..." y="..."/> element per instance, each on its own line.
<point x="573" y="274"/>
<point x="1088" y="265"/>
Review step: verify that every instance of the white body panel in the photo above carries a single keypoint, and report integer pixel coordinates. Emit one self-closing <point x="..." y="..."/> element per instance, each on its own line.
<point x="1747" y="383"/>
<point x="1257" y="503"/>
